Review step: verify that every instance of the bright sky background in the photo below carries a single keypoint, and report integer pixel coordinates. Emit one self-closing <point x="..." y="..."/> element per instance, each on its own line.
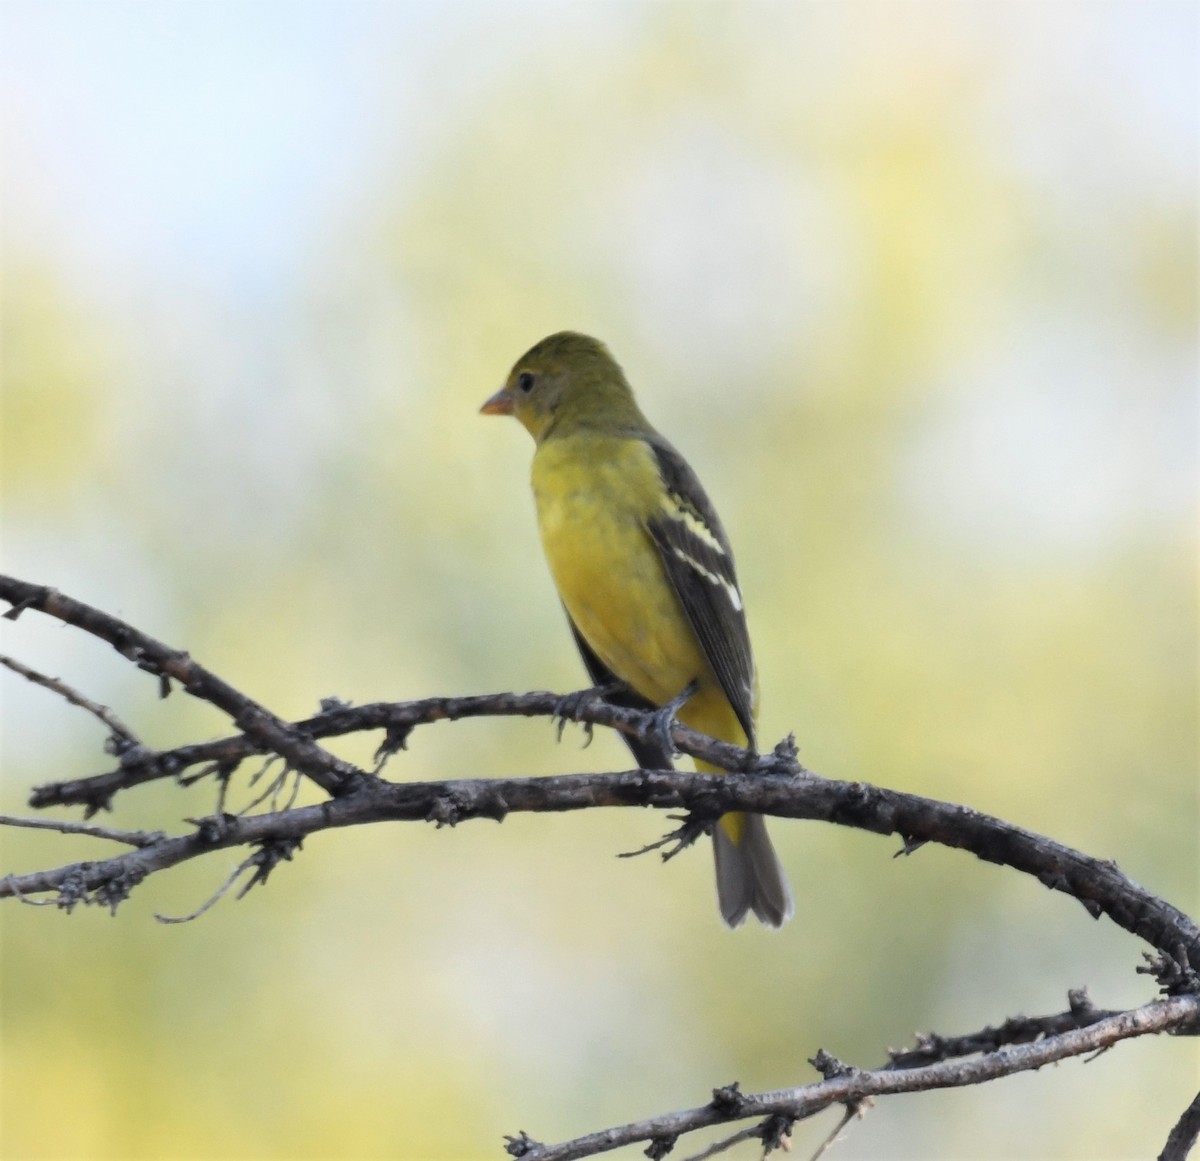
<point x="212" y="148"/>
<point x="214" y="140"/>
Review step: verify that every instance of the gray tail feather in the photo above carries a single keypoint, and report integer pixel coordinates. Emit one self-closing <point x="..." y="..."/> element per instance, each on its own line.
<point x="749" y="877"/>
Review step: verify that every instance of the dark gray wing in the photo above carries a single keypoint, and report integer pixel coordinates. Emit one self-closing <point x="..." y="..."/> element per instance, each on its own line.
<point x="650" y="755"/>
<point x="699" y="562"/>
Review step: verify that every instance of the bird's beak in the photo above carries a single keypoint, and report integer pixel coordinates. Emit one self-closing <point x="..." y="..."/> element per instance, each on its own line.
<point x="500" y="404"/>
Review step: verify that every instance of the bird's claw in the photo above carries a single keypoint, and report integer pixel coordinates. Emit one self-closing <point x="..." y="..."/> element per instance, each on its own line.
<point x="691" y="827"/>
<point x="569" y="706"/>
<point x="663" y="719"/>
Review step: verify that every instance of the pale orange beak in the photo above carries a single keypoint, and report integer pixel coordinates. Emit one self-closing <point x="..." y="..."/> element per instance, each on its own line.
<point x="500" y="404"/>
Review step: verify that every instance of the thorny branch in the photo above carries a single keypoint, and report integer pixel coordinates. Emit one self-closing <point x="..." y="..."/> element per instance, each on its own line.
<point x="774" y="783"/>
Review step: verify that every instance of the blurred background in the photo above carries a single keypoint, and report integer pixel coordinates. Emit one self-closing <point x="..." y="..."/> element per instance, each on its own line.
<point x="913" y="286"/>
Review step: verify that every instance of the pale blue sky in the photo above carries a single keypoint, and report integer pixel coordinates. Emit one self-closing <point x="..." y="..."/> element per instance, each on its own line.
<point x="210" y="154"/>
<point x="203" y="141"/>
<point x="207" y="140"/>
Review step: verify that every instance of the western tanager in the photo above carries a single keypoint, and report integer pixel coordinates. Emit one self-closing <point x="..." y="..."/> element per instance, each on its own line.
<point x="646" y="575"/>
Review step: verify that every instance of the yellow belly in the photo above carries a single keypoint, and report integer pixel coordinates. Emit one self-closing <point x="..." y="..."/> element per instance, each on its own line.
<point x="611" y="579"/>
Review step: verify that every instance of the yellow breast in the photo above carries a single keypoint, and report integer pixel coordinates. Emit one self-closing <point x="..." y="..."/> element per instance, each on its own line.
<point x="593" y="494"/>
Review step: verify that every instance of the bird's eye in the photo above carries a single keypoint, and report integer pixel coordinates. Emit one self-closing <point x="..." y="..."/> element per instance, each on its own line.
<point x="525" y="382"/>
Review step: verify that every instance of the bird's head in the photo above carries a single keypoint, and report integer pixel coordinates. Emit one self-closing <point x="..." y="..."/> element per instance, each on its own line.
<point x="566" y="383"/>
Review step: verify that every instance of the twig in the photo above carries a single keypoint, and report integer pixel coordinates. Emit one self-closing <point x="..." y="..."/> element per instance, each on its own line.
<point x="930" y="1047"/>
<point x="856" y="1109"/>
<point x="124" y="736"/>
<point x="95" y="792"/>
<point x="212" y="900"/>
<point x="16" y="894"/>
<point x="396" y="719"/>
<point x="1183" y="1136"/>
<point x="271" y="787"/>
<point x="724" y="1144"/>
<point x="803" y="1102"/>
<point x="133" y="838"/>
<point x="253" y="719"/>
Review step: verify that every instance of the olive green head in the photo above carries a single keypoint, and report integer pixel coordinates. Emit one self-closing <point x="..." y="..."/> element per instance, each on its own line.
<point x="566" y="383"/>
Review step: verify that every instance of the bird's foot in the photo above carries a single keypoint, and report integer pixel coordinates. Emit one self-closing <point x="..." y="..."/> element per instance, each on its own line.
<point x="691" y="827"/>
<point x="568" y="707"/>
<point x="663" y="719"/>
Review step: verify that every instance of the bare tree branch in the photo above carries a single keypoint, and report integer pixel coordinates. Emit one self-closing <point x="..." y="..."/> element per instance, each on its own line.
<point x="262" y="726"/>
<point x="133" y="838"/>
<point x="1096" y="883"/>
<point x="397" y="720"/>
<point x="797" y="1104"/>
<point x="776" y="783"/>
<point x="1183" y="1136"/>
<point x="772" y="784"/>
<point x="931" y="1048"/>
<point x="124" y="738"/>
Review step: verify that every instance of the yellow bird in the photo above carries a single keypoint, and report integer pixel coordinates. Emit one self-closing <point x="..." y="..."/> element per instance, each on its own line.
<point x="646" y="575"/>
